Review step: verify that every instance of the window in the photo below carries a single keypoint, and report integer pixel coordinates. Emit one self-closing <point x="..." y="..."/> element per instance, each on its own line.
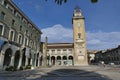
<point x="10" y="8"/>
<point x="20" y="28"/>
<point x="70" y="50"/>
<point x="24" y="21"/>
<point x="58" y="49"/>
<point x="11" y="36"/>
<point x="26" y="41"/>
<point x="35" y="37"/>
<point x="26" y="32"/>
<point x="31" y="43"/>
<point x="53" y="51"/>
<point x="79" y="35"/>
<point x="13" y="22"/>
<point x="64" y="50"/>
<point x="2" y="15"/>
<point x="1" y="28"/>
<point x="4" y="3"/>
<point x="31" y="34"/>
<point x="18" y="16"/>
<point x="20" y="39"/>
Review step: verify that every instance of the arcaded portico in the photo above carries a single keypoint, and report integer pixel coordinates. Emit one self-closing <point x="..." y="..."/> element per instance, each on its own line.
<point x="60" y="54"/>
<point x="19" y="38"/>
<point x="70" y="54"/>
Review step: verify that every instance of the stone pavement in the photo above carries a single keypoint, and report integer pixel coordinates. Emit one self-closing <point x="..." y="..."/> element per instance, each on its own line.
<point x="64" y="73"/>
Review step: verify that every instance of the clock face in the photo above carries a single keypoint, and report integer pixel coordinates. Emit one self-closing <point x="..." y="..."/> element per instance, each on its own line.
<point x="78" y="24"/>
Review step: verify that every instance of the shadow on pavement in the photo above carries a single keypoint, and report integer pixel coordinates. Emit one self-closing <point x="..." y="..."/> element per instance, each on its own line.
<point x="67" y="74"/>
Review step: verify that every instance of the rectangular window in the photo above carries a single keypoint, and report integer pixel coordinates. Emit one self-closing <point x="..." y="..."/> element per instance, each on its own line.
<point x="20" y="28"/>
<point x="11" y="35"/>
<point x="79" y="35"/>
<point x="18" y="16"/>
<point x="25" y="41"/>
<point x="70" y="50"/>
<point x="24" y="21"/>
<point x="64" y="50"/>
<point x="4" y="3"/>
<point x="2" y="15"/>
<point x="1" y="28"/>
<point x="26" y="32"/>
<point x="58" y="50"/>
<point x="11" y="9"/>
<point x="53" y="51"/>
<point x="20" y="39"/>
<point x="13" y="22"/>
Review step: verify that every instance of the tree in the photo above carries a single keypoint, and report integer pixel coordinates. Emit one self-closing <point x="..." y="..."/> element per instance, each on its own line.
<point x="59" y="2"/>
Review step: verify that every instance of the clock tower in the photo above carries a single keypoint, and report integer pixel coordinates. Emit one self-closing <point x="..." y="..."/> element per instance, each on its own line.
<point x="80" y="51"/>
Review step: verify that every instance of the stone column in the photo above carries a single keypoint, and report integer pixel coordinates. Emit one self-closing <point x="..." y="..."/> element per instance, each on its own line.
<point x="35" y="60"/>
<point x="1" y="59"/>
<point x="61" y="61"/>
<point x="20" y="61"/>
<point x="55" y="61"/>
<point x="38" y="62"/>
<point x="67" y="60"/>
<point x="26" y="61"/>
<point x="31" y="61"/>
<point x="50" y="61"/>
<point x="12" y="60"/>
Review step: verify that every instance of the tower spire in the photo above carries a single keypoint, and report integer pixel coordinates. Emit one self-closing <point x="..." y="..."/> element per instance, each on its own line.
<point x="77" y="9"/>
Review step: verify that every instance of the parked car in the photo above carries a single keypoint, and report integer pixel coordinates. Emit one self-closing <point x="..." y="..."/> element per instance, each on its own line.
<point x="111" y="63"/>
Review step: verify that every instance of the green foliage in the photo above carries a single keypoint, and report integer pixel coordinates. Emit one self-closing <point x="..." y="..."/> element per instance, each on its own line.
<point x="60" y="2"/>
<point x="94" y="1"/>
<point x="21" y="68"/>
<point x="11" y="68"/>
<point x="28" y="67"/>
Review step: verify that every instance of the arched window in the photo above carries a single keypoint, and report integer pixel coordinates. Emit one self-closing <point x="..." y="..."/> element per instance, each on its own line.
<point x="11" y="35"/>
<point x="20" y="39"/>
<point x="26" y="41"/>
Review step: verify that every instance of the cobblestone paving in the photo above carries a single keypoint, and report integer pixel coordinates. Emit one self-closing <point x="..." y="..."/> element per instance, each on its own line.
<point x="63" y="73"/>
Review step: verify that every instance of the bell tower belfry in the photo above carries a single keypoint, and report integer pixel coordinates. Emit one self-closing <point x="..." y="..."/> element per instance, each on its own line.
<point x="80" y="51"/>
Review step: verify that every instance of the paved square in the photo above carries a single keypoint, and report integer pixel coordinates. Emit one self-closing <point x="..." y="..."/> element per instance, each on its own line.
<point x="64" y="73"/>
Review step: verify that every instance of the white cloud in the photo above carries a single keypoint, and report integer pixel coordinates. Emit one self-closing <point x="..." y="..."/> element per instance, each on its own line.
<point x="96" y="40"/>
<point x="103" y="40"/>
<point x="57" y="33"/>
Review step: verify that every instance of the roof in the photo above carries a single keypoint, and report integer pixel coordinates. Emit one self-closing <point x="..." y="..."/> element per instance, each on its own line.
<point x="77" y="9"/>
<point x="59" y="45"/>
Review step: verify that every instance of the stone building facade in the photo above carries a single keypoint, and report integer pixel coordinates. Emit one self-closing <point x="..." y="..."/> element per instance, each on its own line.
<point x="70" y="54"/>
<point x="108" y="56"/>
<point x="19" y="37"/>
<point x="91" y="56"/>
<point x="60" y="54"/>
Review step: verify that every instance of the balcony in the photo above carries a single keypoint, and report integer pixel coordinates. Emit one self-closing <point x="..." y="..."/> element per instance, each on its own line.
<point x="14" y="43"/>
<point x="79" y="40"/>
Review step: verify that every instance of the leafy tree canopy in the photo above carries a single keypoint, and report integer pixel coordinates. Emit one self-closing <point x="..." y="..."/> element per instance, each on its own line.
<point x="59" y="2"/>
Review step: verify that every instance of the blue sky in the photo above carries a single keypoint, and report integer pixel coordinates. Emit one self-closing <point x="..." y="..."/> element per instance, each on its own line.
<point x="102" y="20"/>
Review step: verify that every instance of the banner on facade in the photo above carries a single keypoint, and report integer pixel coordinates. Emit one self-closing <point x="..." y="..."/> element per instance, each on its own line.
<point x="27" y="52"/>
<point x="1" y="42"/>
